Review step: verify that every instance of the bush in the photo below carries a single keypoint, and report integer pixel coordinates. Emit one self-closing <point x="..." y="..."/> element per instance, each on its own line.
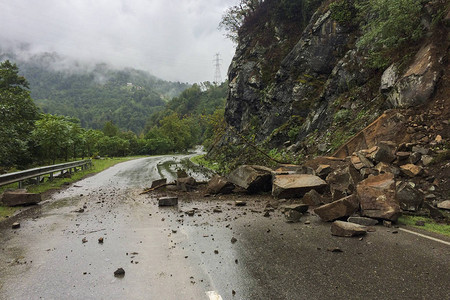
<point x="390" y="25"/>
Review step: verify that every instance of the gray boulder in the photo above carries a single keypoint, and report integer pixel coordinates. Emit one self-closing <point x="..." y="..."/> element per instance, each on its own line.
<point x="409" y="197"/>
<point x="377" y="197"/>
<point x="20" y="198"/>
<point x="252" y="178"/>
<point x="296" y="185"/>
<point x="219" y="185"/>
<point x="338" y="209"/>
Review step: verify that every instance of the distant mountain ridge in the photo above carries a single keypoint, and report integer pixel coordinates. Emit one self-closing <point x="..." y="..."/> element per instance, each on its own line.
<point x="94" y="94"/>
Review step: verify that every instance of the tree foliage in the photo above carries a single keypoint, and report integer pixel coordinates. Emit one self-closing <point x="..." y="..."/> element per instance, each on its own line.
<point x="17" y="115"/>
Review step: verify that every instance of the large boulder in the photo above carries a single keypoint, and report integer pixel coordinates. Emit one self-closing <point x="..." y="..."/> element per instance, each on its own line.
<point x="20" y="198"/>
<point x="409" y="197"/>
<point x="252" y="178"/>
<point x="418" y="82"/>
<point x="343" y="182"/>
<point x="345" y="229"/>
<point x="377" y="197"/>
<point x="296" y="185"/>
<point x="186" y="184"/>
<point x="219" y="185"/>
<point x="338" y="209"/>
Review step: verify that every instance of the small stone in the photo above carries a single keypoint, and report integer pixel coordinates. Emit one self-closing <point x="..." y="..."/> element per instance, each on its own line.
<point x="420" y="223"/>
<point x="307" y="222"/>
<point x="240" y="203"/>
<point x="444" y="205"/>
<point x="81" y="210"/>
<point x="120" y="272"/>
<point x="411" y="170"/>
<point x="167" y="201"/>
<point x="15" y="225"/>
<point x="346" y="229"/>
<point x="266" y="214"/>
<point x="84" y="240"/>
<point x="362" y="221"/>
<point x="387" y="224"/>
<point x="334" y="250"/>
<point x="100" y="240"/>
<point x="233" y="292"/>
<point x="233" y="240"/>
<point x="217" y="210"/>
<point x="216" y="251"/>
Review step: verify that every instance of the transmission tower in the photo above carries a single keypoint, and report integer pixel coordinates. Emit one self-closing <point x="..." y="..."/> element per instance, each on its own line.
<point x="217" y="75"/>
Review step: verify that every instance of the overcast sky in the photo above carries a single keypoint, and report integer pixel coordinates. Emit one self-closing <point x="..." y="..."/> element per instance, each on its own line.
<point x="172" y="39"/>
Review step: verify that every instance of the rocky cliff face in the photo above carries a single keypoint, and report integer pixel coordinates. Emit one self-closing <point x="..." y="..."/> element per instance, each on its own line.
<point x="318" y="91"/>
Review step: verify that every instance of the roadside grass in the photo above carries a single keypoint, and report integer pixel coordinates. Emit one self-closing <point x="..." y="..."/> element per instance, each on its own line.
<point x="430" y="224"/>
<point x="7" y="211"/>
<point x="200" y="160"/>
<point x="97" y="166"/>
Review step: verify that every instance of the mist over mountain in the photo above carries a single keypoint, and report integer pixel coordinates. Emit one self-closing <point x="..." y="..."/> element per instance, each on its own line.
<point x="94" y="93"/>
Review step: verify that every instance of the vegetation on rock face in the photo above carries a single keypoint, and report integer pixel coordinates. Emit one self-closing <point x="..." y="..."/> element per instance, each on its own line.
<point x="389" y="26"/>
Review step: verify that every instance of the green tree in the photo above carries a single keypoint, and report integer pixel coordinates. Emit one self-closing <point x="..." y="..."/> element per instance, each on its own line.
<point x="109" y="129"/>
<point x="53" y="136"/>
<point x="17" y="116"/>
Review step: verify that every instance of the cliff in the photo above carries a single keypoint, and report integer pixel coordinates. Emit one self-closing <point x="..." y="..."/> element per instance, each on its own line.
<point x="306" y="87"/>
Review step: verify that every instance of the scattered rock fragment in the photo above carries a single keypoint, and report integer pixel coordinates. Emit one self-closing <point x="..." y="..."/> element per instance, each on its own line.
<point x="156" y="183"/>
<point x="312" y="198"/>
<point x="100" y="240"/>
<point x="15" y="225"/>
<point x="240" y="203"/>
<point x="120" y="272"/>
<point x="300" y="207"/>
<point x="167" y="201"/>
<point x="233" y="240"/>
<point x="420" y="223"/>
<point x="411" y="170"/>
<point x="345" y="229"/>
<point x="293" y="216"/>
<point x="84" y="240"/>
<point x="186" y="184"/>
<point x="363" y="221"/>
<point x="334" y="250"/>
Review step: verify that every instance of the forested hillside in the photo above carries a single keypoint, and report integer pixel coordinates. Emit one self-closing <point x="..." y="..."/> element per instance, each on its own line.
<point x="95" y="94"/>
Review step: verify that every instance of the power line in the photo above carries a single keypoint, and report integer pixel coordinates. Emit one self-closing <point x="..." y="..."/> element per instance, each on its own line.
<point x="217" y="75"/>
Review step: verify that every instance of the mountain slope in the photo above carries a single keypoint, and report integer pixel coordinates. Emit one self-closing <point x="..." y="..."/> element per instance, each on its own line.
<point x="95" y="94"/>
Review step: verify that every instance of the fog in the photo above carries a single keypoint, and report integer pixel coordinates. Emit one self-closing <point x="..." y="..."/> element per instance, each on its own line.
<point x="173" y="40"/>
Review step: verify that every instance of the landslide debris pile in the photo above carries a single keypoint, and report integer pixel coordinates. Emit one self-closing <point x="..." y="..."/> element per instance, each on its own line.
<point x="367" y="187"/>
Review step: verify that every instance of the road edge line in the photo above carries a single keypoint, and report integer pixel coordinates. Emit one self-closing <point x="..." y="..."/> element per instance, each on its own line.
<point x="426" y="236"/>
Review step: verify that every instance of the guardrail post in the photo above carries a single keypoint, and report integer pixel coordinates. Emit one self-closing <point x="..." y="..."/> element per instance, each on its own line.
<point x="38" y="180"/>
<point x="51" y="177"/>
<point x="20" y="184"/>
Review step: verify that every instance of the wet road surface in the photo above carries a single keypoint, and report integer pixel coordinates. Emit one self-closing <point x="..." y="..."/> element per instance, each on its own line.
<point x="167" y="254"/>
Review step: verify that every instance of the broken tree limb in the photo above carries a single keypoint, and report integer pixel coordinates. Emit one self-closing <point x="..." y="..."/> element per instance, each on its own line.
<point x="156" y="187"/>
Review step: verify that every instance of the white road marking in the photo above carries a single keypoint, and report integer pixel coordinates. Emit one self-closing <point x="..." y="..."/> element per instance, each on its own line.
<point x="425" y="236"/>
<point x="213" y="295"/>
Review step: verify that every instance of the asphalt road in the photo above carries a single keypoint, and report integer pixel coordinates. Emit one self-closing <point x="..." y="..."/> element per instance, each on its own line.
<point x="169" y="255"/>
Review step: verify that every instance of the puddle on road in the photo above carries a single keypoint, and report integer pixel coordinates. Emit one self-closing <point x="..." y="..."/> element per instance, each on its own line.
<point x="168" y="169"/>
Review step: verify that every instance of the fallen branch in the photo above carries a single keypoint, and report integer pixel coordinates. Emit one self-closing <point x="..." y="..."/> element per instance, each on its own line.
<point x="156" y="187"/>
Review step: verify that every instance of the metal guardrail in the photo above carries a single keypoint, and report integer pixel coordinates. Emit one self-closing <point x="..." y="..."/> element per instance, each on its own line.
<point x="20" y="176"/>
